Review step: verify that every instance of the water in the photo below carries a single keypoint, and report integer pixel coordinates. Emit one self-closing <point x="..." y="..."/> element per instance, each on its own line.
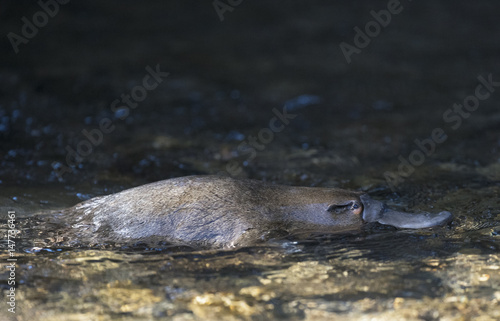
<point x="350" y="124"/>
<point x="387" y="274"/>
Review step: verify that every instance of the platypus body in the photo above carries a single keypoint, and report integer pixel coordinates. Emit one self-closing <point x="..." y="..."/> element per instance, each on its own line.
<point x="222" y="212"/>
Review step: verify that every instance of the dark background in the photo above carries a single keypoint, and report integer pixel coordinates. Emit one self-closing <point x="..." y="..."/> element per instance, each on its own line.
<point x="227" y="76"/>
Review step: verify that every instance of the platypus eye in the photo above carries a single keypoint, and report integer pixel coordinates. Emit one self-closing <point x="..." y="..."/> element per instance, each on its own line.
<point x="339" y="208"/>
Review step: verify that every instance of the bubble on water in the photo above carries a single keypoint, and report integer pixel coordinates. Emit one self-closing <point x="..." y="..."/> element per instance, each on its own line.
<point x="121" y="113"/>
<point x="88" y="120"/>
<point x="82" y="196"/>
<point x="16" y="114"/>
<point x="144" y="162"/>
<point x="302" y="101"/>
<point x="56" y="165"/>
<point x="235" y="135"/>
<point x="47" y="129"/>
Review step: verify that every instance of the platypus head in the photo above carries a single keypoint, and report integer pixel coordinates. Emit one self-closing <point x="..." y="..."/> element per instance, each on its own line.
<point x="375" y="211"/>
<point x="333" y="210"/>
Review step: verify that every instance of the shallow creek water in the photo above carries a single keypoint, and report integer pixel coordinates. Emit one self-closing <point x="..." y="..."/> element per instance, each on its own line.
<point x="448" y="273"/>
<point x="352" y="122"/>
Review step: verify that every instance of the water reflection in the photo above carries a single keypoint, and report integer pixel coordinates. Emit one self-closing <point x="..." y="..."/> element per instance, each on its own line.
<point x="381" y="274"/>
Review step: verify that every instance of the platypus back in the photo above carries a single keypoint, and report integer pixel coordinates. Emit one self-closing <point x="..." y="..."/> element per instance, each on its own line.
<point x="220" y="212"/>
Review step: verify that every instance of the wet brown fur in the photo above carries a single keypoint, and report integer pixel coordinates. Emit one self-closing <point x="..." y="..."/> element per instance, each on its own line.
<point x="211" y="211"/>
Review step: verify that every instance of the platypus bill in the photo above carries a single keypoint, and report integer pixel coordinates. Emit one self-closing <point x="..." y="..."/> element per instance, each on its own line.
<point x="222" y="212"/>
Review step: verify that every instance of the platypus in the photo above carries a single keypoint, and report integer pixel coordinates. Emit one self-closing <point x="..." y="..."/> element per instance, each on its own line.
<point x="222" y="212"/>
